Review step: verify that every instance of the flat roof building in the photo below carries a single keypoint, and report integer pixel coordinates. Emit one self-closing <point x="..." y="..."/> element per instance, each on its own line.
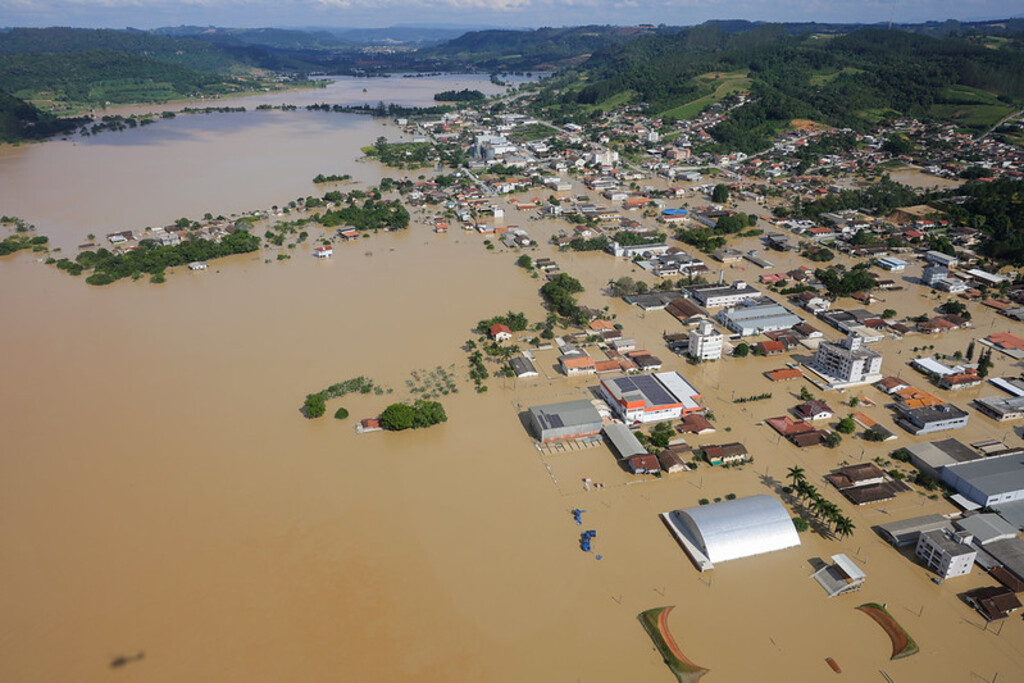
<point x="930" y="457"/>
<point x="640" y="399"/>
<point x="1001" y="409"/>
<point x="705" y="342"/>
<point x="732" y="529"/>
<point x="757" y="317"/>
<point x="906" y="531"/>
<point x="566" y="420"/>
<point x="928" y="419"/>
<point x="946" y="553"/>
<point x="848" y="363"/>
<point x="716" y="295"/>
<point x="989" y="481"/>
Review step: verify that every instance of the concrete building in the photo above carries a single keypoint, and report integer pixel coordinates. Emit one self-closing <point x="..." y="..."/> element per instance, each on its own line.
<point x="1001" y="409"/>
<point x="946" y="553"/>
<point x="905" y="532"/>
<point x="642" y="399"/>
<point x="705" y="342"/>
<point x="566" y="420"/>
<point x="848" y="363"/>
<point x="989" y="481"/>
<point x="757" y="318"/>
<point x="932" y="273"/>
<point x="716" y="296"/>
<point x="937" y="257"/>
<point x="732" y="529"/>
<point x="928" y="419"/>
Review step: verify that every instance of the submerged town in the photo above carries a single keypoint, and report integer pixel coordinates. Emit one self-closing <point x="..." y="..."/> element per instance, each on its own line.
<point x="830" y="328"/>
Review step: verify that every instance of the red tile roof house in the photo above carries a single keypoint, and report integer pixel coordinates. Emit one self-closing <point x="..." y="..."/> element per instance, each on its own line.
<point x="644" y="464"/>
<point x="814" y="410"/>
<point x="891" y="385"/>
<point x="770" y="348"/>
<point x="577" y="365"/>
<point x="499" y="332"/>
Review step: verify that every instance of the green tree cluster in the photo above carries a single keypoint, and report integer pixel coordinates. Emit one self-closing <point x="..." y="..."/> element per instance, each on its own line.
<point x="152" y="258"/>
<point x="422" y="413"/>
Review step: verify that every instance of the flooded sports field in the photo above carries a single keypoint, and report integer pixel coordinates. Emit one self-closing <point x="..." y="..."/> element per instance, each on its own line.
<point x="162" y="495"/>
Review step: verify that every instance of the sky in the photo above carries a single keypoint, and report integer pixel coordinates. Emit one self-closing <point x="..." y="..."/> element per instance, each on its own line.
<point x="491" y="13"/>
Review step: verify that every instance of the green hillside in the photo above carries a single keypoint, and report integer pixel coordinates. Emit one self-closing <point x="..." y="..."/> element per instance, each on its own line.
<point x="19" y="120"/>
<point x="850" y="80"/>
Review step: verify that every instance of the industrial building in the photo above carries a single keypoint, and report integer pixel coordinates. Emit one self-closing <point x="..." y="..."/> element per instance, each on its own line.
<point x="732" y="529"/>
<point x="718" y="295"/>
<point x="757" y="317"/>
<point x="989" y="481"/>
<point x="641" y="399"/>
<point x="566" y="420"/>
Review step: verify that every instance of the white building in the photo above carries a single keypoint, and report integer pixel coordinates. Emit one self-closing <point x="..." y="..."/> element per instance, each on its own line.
<point x="716" y="296"/>
<point x="732" y="529"/>
<point x="848" y="363"/>
<point x="946" y="553"/>
<point x="706" y="342"/>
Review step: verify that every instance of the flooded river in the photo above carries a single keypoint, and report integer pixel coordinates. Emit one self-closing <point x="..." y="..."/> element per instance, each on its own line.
<point x="160" y="492"/>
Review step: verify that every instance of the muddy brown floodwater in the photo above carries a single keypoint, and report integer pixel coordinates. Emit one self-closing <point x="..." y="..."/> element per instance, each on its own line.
<point x="161" y="493"/>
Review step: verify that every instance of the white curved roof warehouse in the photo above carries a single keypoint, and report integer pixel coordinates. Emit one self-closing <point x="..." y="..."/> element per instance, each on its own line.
<point x="735" y="528"/>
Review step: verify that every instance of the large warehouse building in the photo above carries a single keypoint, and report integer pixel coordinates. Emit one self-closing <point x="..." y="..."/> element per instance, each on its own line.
<point x="567" y="420"/>
<point x="732" y="529"/>
<point x="641" y="399"/>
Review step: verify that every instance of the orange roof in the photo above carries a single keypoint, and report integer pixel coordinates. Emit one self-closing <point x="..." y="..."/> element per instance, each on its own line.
<point x="606" y="365"/>
<point x="863" y="420"/>
<point x="578" y="362"/>
<point x="770" y="346"/>
<point x="1005" y="340"/>
<point x="785" y="373"/>
<point x="601" y="325"/>
<point x="917" y="398"/>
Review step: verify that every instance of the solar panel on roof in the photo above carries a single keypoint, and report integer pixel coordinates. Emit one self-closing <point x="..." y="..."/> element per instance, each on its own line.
<point x="654" y="392"/>
<point x="556" y="420"/>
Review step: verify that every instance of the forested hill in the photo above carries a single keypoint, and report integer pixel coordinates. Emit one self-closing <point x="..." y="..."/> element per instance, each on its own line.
<point x="188" y="52"/>
<point x="851" y="80"/>
<point x="19" y="120"/>
<point x="543" y="48"/>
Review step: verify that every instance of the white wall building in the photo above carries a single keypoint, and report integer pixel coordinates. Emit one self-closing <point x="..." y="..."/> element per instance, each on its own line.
<point x="706" y="342"/>
<point x="946" y="553"/>
<point x="848" y="363"/>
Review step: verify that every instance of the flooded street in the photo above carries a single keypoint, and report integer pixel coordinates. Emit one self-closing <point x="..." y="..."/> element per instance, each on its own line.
<point x="160" y="491"/>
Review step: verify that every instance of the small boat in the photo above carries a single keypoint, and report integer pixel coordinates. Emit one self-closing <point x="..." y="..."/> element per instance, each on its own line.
<point x="832" y="663"/>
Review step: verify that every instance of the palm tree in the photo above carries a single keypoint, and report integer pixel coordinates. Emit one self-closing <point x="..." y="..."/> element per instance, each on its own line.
<point x="795" y="474"/>
<point x="844" y="526"/>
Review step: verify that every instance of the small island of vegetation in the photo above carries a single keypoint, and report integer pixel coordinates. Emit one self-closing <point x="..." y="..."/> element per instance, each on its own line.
<point x="465" y="95"/>
<point x="152" y="258"/>
<point x="422" y="413"/>
<point x="316" y="404"/>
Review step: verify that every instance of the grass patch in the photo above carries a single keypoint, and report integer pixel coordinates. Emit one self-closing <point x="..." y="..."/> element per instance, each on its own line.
<point x="655" y="623"/>
<point x="729" y="84"/>
<point x="973" y="116"/>
<point x="902" y="644"/>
